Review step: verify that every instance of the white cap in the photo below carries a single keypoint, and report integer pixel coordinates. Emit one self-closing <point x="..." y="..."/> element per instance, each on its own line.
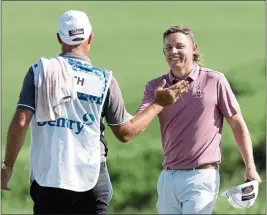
<point x="74" y="27"/>
<point x="244" y="195"/>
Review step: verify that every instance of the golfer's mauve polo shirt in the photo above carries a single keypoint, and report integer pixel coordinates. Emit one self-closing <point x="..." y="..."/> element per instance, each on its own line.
<point x="191" y="129"/>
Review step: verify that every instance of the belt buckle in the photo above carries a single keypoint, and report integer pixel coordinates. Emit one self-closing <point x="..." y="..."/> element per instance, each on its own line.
<point x="209" y="166"/>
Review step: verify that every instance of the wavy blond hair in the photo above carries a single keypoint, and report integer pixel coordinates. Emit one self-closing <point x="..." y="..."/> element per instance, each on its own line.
<point x="197" y="57"/>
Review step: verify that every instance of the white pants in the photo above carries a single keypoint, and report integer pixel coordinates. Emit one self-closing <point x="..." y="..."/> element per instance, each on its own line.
<point x="187" y="192"/>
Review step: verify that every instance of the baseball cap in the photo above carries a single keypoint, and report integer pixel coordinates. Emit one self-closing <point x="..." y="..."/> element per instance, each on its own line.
<point x="74" y="27"/>
<point x="243" y="195"/>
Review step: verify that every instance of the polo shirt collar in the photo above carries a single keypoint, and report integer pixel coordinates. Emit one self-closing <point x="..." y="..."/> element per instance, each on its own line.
<point x="192" y="75"/>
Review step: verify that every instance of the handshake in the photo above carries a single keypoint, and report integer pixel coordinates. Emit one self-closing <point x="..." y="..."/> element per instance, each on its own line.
<point x="168" y="96"/>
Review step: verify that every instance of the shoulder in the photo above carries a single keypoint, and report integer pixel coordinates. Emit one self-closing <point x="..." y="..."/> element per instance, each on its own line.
<point x="211" y="74"/>
<point x="102" y="73"/>
<point x="30" y="70"/>
<point x="97" y="68"/>
<point x="29" y="76"/>
<point x="107" y="73"/>
<point x="113" y="84"/>
<point x="36" y="65"/>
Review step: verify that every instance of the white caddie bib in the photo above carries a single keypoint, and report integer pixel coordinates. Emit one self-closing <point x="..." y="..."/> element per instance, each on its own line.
<point x="89" y="83"/>
<point x="66" y="153"/>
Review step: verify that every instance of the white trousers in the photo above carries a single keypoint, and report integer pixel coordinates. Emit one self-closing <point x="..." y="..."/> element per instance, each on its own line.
<point x="187" y="192"/>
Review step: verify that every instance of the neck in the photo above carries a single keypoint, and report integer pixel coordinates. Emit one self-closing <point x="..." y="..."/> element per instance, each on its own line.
<point x="182" y="73"/>
<point x="80" y="50"/>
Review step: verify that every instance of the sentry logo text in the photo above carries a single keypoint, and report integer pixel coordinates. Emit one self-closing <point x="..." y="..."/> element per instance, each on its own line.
<point x="76" y="126"/>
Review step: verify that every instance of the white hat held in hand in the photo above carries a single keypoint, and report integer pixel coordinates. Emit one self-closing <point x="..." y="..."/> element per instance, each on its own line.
<point x="243" y="195"/>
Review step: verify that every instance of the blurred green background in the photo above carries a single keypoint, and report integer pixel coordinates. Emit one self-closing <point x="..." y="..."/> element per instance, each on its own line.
<point x="128" y="40"/>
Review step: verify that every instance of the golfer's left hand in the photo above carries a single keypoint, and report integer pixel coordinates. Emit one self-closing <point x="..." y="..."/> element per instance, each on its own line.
<point x="252" y="174"/>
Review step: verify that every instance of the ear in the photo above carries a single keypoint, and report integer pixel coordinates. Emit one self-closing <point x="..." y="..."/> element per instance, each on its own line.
<point x="163" y="51"/>
<point x="90" y="38"/>
<point x="195" y="47"/>
<point x="58" y="39"/>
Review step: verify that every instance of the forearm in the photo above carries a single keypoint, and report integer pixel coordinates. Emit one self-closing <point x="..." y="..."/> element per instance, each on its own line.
<point x="15" y="140"/>
<point x="244" y="144"/>
<point x="139" y="122"/>
<point x="142" y="119"/>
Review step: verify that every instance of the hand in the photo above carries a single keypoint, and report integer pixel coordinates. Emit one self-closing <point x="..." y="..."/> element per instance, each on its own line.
<point x="5" y="177"/>
<point x="252" y="174"/>
<point x="168" y="96"/>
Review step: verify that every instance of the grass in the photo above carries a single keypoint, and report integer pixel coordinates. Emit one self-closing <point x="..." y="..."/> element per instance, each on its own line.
<point x="128" y="40"/>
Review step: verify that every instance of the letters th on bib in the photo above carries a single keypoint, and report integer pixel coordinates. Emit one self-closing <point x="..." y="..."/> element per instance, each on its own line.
<point x="89" y="83"/>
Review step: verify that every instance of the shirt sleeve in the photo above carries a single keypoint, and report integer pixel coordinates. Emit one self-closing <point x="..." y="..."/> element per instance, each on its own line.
<point x="227" y="102"/>
<point x="27" y="93"/>
<point x="148" y="98"/>
<point x="114" y="109"/>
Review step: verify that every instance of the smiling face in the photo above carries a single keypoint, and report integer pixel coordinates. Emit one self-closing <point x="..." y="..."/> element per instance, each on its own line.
<point x="179" y="49"/>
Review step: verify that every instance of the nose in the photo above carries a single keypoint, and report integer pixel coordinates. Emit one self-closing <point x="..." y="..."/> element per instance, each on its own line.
<point x="174" y="50"/>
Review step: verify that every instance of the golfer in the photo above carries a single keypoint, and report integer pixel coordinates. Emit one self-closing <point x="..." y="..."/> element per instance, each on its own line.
<point x="67" y="173"/>
<point x="191" y="129"/>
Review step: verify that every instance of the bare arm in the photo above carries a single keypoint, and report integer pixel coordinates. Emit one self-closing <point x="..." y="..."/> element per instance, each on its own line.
<point x="230" y="109"/>
<point x="244" y="144"/>
<point x="242" y="138"/>
<point x="16" y="134"/>
<point x="139" y="122"/>
<point x="18" y="127"/>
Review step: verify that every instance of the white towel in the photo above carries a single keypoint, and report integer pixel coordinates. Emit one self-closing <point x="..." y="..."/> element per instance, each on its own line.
<point x="54" y="85"/>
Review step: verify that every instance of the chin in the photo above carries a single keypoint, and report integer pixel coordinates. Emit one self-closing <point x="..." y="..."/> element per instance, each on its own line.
<point x="177" y="65"/>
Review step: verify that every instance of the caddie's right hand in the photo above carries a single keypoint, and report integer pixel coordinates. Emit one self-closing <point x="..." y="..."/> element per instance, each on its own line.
<point x="168" y="96"/>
